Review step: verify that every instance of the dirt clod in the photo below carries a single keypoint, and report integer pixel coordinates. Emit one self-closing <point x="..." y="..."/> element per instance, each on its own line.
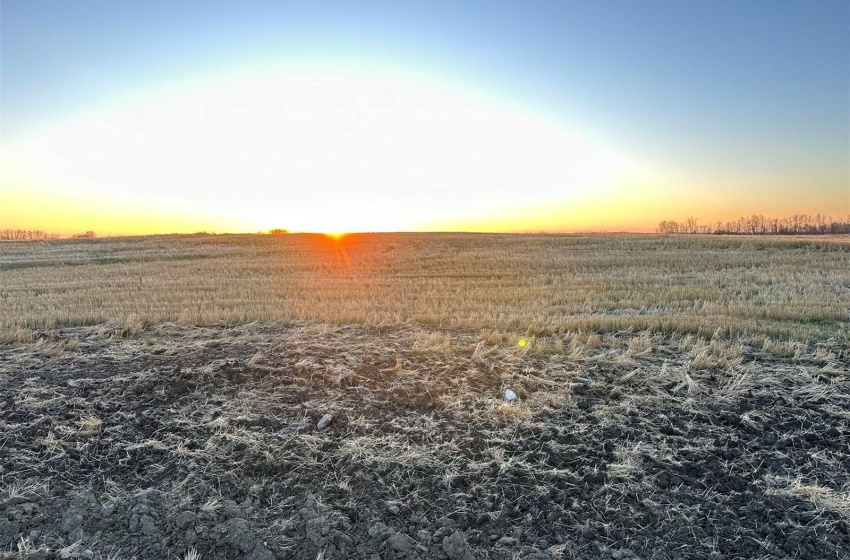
<point x="324" y="421"/>
<point x="456" y="547"/>
<point x="401" y="543"/>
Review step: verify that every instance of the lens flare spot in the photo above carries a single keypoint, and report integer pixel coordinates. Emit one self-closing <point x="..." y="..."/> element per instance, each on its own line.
<point x="522" y="342"/>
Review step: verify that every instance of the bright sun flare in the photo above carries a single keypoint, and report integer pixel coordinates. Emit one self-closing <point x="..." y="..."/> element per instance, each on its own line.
<point x="318" y="151"/>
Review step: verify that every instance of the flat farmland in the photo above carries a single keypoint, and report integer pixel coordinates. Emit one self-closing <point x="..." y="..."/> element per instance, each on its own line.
<point x="670" y="397"/>
<point x="791" y="288"/>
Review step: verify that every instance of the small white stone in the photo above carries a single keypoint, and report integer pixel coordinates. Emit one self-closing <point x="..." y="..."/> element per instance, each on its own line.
<point x="510" y="396"/>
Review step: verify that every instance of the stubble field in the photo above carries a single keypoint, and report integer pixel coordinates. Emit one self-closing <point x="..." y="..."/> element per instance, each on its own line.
<point x="676" y="397"/>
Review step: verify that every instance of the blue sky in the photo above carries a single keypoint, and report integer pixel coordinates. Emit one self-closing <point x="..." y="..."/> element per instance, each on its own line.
<point x="718" y="91"/>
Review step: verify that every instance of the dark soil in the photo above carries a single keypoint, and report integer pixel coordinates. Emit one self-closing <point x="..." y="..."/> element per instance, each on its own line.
<point x="184" y="439"/>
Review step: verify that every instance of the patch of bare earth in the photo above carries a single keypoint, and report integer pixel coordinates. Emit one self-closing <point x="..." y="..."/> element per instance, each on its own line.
<point x="189" y="442"/>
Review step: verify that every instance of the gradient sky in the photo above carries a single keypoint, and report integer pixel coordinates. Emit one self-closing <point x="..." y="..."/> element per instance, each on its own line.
<point x="340" y="116"/>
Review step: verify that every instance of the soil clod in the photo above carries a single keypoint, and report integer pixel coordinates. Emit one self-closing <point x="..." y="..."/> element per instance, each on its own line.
<point x="324" y="421"/>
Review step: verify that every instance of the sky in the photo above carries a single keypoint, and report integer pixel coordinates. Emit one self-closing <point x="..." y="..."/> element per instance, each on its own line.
<point x="157" y="117"/>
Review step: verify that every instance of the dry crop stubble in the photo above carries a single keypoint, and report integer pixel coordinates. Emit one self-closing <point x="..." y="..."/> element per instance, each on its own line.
<point x="532" y="284"/>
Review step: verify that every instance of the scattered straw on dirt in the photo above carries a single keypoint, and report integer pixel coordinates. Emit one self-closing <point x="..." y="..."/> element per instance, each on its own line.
<point x="201" y="442"/>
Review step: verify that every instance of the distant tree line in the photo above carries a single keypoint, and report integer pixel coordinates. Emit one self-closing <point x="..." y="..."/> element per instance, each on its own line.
<point x="38" y="235"/>
<point x="26" y="235"/>
<point x="757" y="224"/>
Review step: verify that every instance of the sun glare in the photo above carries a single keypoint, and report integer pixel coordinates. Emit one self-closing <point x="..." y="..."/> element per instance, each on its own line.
<point x="319" y="151"/>
<point x="336" y="235"/>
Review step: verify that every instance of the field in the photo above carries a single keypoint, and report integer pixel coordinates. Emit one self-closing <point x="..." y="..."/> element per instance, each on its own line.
<point x="676" y="397"/>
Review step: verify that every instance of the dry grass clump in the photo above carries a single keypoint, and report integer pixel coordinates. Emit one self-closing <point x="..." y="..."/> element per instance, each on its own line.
<point x="432" y="342"/>
<point x="537" y="285"/>
<point x="640" y="345"/>
<point x="18" y="334"/>
<point x="628" y="462"/>
<point x="821" y="497"/>
<point x="516" y="411"/>
<point x="713" y="354"/>
<point x="90" y="425"/>
<point x="25" y="549"/>
<point x="24" y="488"/>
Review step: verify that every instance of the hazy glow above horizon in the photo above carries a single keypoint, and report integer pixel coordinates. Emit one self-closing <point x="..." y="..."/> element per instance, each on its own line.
<point x="319" y="151"/>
